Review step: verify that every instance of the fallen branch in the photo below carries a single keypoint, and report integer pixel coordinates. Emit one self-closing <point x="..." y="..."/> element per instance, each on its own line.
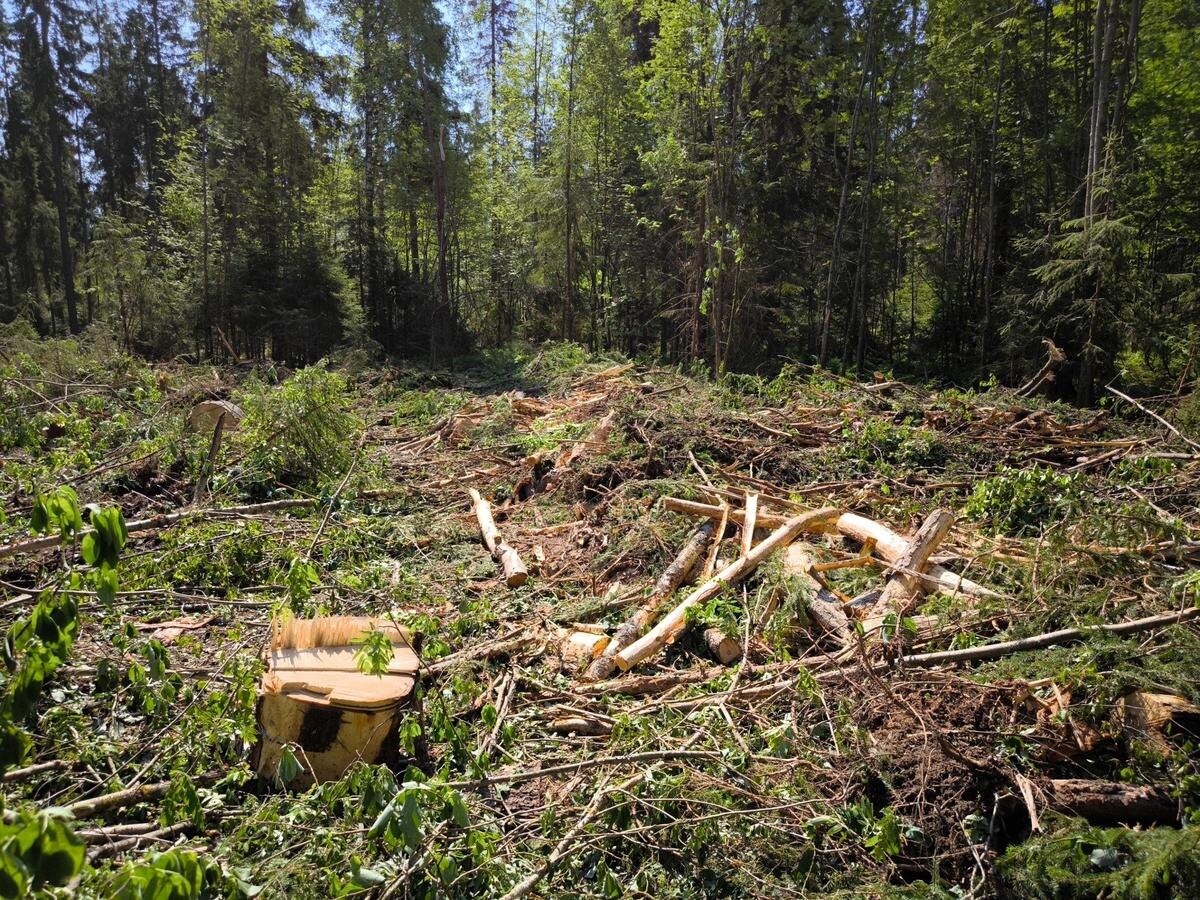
<point x="515" y="573"/>
<point x="591" y="762"/>
<point x="1156" y="417"/>
<point x="633" y="628"/>
<point x="53" y="765"/>
<point x="671" y="624"/>
<point x="113" y="848"/>
<point x="155" y="523"/>
<point x="748" y="525"/>
<point x="1049" y="639"/>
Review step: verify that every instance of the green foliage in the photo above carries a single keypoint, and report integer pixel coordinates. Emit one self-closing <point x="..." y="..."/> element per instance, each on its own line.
<point x="419" y="408"/>
<point x="38" y="850"/>
<point x="877" y="442"/>
<point x="374" y="652"/>
<point x="176" y="874"/>
<point x="300" y="432"/>
<point x="58" y="512"/>
<point x="1023" y="501"/>
<point x="721" y="612"/>
<point x="1078" y="862"/>
<point x="101" y="547"/>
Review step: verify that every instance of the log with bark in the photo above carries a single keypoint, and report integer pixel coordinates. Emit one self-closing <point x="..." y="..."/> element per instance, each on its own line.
<point x="1113" y="803"/>
<point x="905" y="587"/>
<point x="509" y="561"/>
<point x="676" y="574"/>
<point x="721" y="647"/>
<point x="823" y="607"/>
<point x="673" y="623"/>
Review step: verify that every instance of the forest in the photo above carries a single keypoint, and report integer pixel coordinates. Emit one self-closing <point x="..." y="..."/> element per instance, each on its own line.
<point x="931" y="187"/>
<point x="600" y="448"/>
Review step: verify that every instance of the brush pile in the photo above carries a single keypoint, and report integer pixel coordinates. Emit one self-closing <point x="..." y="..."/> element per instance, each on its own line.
<point x="678" y="638"/>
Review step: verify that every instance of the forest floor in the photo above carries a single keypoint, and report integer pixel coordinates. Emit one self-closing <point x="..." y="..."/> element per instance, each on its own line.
<point x="831" y="761"/>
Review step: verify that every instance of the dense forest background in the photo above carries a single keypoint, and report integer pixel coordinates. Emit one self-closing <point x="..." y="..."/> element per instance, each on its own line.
<point x="930" y="186"/>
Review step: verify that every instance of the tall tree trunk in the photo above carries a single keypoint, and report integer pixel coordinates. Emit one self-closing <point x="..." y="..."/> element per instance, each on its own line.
<point x="568" y="311"/>
<point x="843" y="202"/>
<point x="58" y="161"/>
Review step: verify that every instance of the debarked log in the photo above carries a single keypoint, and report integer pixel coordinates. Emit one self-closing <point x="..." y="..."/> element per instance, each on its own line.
<point x="515" y="573"/>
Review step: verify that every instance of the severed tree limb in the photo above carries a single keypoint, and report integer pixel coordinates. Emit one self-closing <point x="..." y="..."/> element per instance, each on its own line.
<point x="1156" y="417"/>
<point x="710" y="560"/>
<point x="206" y="470"/>
<point x="1054" y="359"/>
<point x="53" y="765"/>
<point x="515" y="573"/>
<point x="670" y="580"/>
<point x="670" y="626"/>
<point x="906" y="586"/>
<point x="1048" y="639"/>
<point x="113" y="848"/>
<point x="143" y="793"/>
<point x="889" y="545"/>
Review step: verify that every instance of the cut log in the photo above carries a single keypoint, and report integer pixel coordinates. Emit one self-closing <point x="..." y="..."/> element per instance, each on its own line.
<point x="888" y="544"/>
<point x="676" y="574"/>
<point x="823" y="607"/>
<point x="748" y="525"/>
<point x="721" y="646"/>
<point x="1114" y="803"/>
<point x="515" y="573"/>
<point x="906" y="586"/>
<point x="1145" y="716"/>
<point x="673" y="623"/>
<point x="578" y="649"/>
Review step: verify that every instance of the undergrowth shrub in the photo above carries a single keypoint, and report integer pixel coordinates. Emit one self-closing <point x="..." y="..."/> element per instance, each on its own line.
<point x="1022" y="501"/>
<point x="1116" y="863"/>
<point x="1187" y="414"/>
<point x="880" y="442"/>
<point x="734" y="389"/>
<point x="299" y="433"/>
